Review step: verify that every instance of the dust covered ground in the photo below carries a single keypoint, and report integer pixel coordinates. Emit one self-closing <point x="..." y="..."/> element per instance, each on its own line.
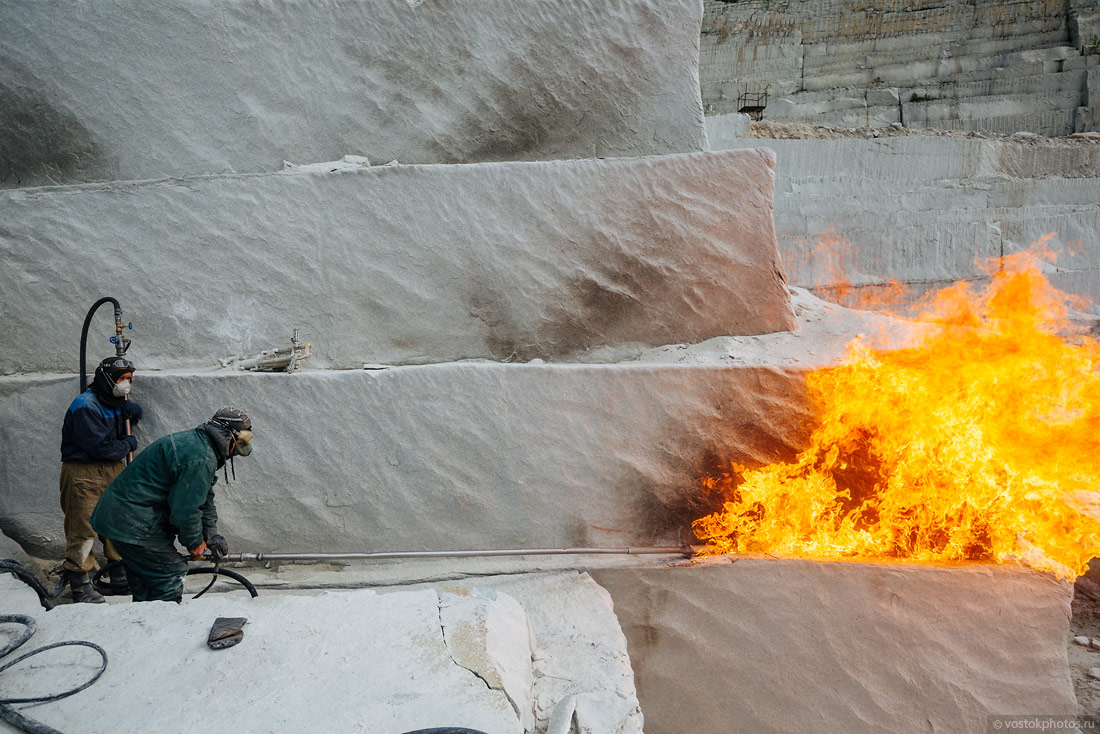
<point x="1086" y="623"/>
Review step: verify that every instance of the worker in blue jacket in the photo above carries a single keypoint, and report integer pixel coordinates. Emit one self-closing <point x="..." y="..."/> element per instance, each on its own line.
<point x="94" y="442"/>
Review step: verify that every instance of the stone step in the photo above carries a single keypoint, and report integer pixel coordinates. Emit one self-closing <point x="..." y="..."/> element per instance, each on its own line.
<point x="811" y="221"/>
<point x="921" y="46"/>
<point x="931" y="203"/>
<point x="919" y="71"/>
<point x="945" y="197"/>
<point x="918" y="111"/>
<point x="1007" y="84"/>
<point x="997" y="81"/>
<point x="844" y="116"/>
<point x="992" y="19"/>
<point x="403" y="264"/>
<point x="471" y="455"/>
<point x="1051" y="123"/>
<point x="894" y="163"/>
<point x="1026" y="95"/>
<point x="992" y="73"/>
<point x="129" y="90"/>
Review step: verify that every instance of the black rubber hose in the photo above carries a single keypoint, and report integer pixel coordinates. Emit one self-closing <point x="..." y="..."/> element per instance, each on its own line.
<point x="446" y="730"/>
<point x="9" y="714"/>
<point x="21" y="722"/>
<point x="109" y="586"/>
<point x="84" y="338"/>
<point x="45" y="596"/>
<point x="102" y="585"/>
<point x="222" y="572"/>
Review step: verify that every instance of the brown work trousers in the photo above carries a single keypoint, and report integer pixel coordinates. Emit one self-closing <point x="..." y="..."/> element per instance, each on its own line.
<point x="81" y="487"/>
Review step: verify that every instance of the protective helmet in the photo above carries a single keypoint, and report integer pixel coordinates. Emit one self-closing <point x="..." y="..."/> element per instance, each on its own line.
<point x="230" y="431"/>
<point x="107" y="374"/>
<point x="233" y="419"/>
<point x="115" y="367"/>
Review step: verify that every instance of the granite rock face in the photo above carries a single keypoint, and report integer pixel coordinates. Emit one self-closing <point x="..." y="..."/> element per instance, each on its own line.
<point x="100" y="91"/>
<point x="438" y="456"/>
<point x="403" y="264"/>
<point x="985" y="65"/>
<point x="781" y="646"/>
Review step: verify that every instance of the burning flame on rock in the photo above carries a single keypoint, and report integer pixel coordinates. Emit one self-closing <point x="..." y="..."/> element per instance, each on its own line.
<point x="982" y="443"/>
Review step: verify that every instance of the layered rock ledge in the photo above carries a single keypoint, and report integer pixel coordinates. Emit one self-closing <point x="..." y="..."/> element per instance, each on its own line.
<point x="465" y="455"/>
<point x="121" y="89"/>
<point x="439" y="456"/>
<point x="402" y="264"/>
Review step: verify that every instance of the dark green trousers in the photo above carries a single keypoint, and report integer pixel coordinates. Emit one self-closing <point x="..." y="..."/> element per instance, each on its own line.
<point x="155" y="574"/>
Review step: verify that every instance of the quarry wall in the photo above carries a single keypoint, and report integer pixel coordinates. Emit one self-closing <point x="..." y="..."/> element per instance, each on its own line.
<point x="997" y="66"/>
<point x="457" y="265"/>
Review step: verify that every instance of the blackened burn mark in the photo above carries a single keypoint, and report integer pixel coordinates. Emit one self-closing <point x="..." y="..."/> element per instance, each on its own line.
<point x="608" y="302"/>
<point x="39" y="142"/>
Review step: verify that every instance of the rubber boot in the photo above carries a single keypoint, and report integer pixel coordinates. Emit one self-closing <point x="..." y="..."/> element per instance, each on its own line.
<point x="117" y="574"/>
<point x="82" y="590"/>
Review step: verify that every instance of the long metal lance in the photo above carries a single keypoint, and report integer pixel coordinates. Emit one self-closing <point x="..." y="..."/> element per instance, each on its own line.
<point x="682" y="550"/>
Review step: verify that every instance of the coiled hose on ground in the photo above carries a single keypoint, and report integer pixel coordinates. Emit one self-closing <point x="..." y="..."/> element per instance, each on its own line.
<point x="9" y="714"/>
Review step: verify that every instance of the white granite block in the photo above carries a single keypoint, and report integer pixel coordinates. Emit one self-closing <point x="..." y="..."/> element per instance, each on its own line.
<point x="124" y="89"/>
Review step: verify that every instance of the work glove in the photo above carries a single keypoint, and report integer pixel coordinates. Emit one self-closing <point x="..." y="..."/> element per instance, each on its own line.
<point x="198" y="552"/>
<point x="132" y="441"/>
<point x="131" y="410"/>
<point x="218" y="547"/>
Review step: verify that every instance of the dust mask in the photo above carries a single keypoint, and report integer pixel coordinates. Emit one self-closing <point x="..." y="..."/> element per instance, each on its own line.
<point x="243" y="447"/>
<point x="121" y="388"/>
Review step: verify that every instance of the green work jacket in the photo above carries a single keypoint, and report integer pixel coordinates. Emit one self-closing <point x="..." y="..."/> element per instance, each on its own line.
<point x="167" y="491"/>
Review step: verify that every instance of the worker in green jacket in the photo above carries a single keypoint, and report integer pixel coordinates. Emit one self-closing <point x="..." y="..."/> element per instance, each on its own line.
<point x="167" y="492"/>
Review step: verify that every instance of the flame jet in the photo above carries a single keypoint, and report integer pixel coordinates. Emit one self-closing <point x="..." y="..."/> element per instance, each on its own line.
<point x="981" y="443"/>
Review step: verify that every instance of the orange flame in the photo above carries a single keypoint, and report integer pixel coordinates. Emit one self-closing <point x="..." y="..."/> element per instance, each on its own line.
<point x="981" y="443"/>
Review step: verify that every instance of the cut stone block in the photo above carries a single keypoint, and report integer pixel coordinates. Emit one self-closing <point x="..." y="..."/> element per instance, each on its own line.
<point x="489" y="634"/>
<point x="882" y="97"/>
<point x="569" y="613"/>
<point x="403" y="264"/>
<point x="723" y="128"/>
<point x="123" y="89"/>
<point x="399" y="661"/>
<point x="440" y="456"/>
<point x="854" y="647"/>
<point x="307" y="663"/>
